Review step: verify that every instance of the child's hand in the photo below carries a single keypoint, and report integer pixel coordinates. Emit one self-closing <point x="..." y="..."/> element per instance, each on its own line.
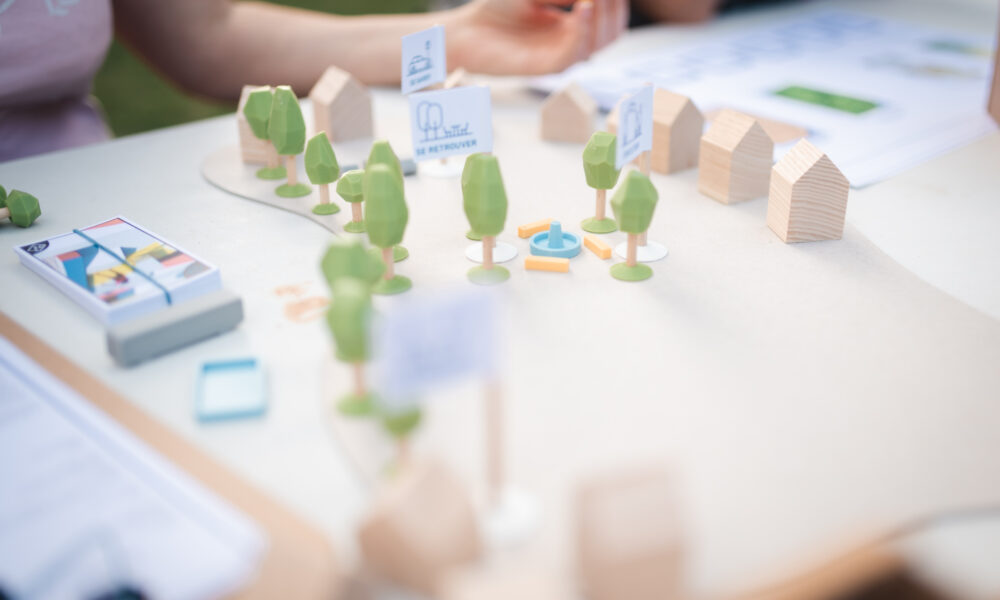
<point x="531" y="36"/>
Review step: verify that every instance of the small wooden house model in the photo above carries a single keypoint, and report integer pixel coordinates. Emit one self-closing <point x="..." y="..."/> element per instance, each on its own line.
<point x="568" y="115"/>
<point x="735" y="159"/>
<point x="342" y="106"/>
<point x="808" y="196"/>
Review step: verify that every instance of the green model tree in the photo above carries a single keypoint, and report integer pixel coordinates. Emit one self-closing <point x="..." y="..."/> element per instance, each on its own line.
<point x="257" y="111"/>
<point x="322" y="169"/>
<point x="382" y="154"/>
<point x="599" y="166"/>
<point x="485" y="203"/>
<point x="633" y="204"/>
<point x="386" y="216"/>
<point x="347" y="259"/>
<point x="349" y="320"/>
<point x="351" y="188"/>
<point x="287" y="130"/>
<point x="20" y="207"/>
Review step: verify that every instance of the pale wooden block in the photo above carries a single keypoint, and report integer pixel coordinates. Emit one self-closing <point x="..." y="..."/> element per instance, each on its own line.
<point x="553" y="264"/>
<point x="422" y="525"/>
<point x="808" y="196"/>
<point x="253" y="150"/>
<point x="677" y="129"/>
<point x="735" y="159"/>
<point x="476" y="584"/>
<point x="629" y="543"/>
<point x="342" y="106"/>
<point x="568" y="115"/>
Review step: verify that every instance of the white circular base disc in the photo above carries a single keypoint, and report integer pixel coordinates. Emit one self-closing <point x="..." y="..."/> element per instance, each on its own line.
<point x="501" y="252"/>
<point x="450" y="168"/>
<point x="513" y="520"/>
<point x="651" y="252"/>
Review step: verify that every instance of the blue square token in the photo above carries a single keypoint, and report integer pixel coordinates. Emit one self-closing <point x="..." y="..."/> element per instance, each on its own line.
<point x="230" y="389"/>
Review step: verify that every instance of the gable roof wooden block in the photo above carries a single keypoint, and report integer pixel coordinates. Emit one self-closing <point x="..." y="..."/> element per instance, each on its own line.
<point x="253" y="150"/>
<point x="677" y="129"/>
<point x="628" y="536"/>
<point x="568" y="115"/>
<point x="735" y="159"/>
<point x="421" y="526"/>
<point x="808" y="196"/>
<point x="342" y="106"/>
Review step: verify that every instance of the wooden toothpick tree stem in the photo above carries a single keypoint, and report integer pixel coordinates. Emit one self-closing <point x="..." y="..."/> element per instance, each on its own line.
<point x="633" y="244"/>
<point x="601" y="207"/>
<point x="293" y="178"/>
<point x="389" y="262"/>
<point x="356" y="212"/>
<point x="489" y="241"/>
<point x="359" y="378"/>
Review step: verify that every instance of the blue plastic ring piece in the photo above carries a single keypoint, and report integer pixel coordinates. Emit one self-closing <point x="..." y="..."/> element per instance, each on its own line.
<point x="567" y="246"/>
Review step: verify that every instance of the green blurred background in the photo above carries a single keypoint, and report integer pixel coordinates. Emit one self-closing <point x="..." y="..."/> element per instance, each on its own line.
<point x="137" y="98"/>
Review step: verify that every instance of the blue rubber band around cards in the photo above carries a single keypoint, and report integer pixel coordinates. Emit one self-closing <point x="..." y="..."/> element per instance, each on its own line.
<point x="124" y="261"/>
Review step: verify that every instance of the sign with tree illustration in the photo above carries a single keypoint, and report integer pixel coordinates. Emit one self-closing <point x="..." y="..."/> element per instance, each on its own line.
<point x="451" y="122"/>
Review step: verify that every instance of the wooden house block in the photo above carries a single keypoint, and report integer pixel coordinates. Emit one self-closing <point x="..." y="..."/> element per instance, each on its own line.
<point x="342" y="106"/>
<point x="808" y="196"/>
<point x="253" y="150"/>
<point x="735" y="159"/>
<point x="629" y="537"/>
<point x="568" y="115"/>
<point x="422" y="525"/>
<point x="677" y="129"/>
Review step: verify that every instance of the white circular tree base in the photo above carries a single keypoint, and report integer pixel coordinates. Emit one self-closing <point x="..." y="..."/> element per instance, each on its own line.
<point x="501" y="252"/>
<point x="513" y="520"/>
<point x="651" y="252"/>
<point x="450" y="168"/>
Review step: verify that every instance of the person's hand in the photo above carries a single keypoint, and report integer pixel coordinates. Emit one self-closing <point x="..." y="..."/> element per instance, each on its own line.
<point x="527" y="37"/>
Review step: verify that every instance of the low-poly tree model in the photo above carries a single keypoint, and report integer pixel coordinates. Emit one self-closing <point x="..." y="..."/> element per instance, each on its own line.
<point x="599" y="166"/>
<point x="349" y="320"/>
<point x="351" y="188"/>
<point x="257" y="111"/>
<point x="287" y="130"/>
<point x="633" y="204"/>
<point x="322" y="169"/>
<point x="485" y="203"/>
<point x="350" y="259"/>
<point x="386" y="216"/>
<point x="382" y="154"/>
<point x="20" y="207"/>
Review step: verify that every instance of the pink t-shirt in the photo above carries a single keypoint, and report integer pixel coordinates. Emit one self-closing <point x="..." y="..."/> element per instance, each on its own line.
<point x="49" y="52"/>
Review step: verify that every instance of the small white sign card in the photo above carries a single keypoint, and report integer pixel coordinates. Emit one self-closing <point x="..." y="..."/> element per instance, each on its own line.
<point x="635" y="126"/>
<point x="428" y="341"/>
<point x="449" y="122"/>
<point x="424" y="61"/>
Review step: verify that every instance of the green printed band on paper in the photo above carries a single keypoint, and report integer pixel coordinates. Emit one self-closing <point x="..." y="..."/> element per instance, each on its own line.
<point x="854" y="106"/>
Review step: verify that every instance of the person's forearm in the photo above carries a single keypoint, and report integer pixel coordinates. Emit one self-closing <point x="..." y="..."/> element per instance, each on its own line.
<point x="217" y="47"/>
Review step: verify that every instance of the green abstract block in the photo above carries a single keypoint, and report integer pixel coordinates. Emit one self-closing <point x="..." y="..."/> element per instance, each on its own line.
<point x="386" y="214"/>
<point x="321" y="162"/>
<point x="286" y="127"/>
<point x="349" y="319"/>
<point x="351" y="186"/>
<point x="634" y="202"/>
<point x="599" y="161"/>
<point x="257" y="111"/>
<point x="23" y="207"/>
<point x="483" y="194"/>
<point x="351" y="260"/>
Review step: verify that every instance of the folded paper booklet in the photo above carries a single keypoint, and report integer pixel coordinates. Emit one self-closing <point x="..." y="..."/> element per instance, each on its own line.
<point x="119" y="271"/>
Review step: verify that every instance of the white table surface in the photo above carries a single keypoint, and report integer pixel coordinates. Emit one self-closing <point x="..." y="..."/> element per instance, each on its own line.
<point x="895" y="326"/>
